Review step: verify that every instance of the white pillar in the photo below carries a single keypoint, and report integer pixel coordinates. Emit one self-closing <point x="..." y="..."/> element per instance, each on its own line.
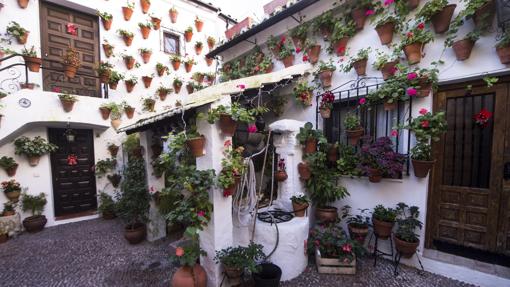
<point x="218" y="233"/>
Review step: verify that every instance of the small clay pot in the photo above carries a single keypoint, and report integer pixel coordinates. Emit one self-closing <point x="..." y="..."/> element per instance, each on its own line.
<point x="421" y="167"/>
<point x="173" y="16"/>
<point x="146" y="57"/>
<point x="147" y="81"/>
<point x="156" y="23"/>
<point x="146" y="31"/>
<point x="199" y="24"/>
<point x="105" y="113"/>
<point x="413" y="52"/>
<point x="441" y="20"/>
<point x="299" y="209"/>
<point x="304" y="171"/>
<point x="127" y="12"/>
<point x="281" y="175"/>
<point x="11" y="171"/>
<point x="196" y="146"/>
<point x="382" y="229"/>
<point x="107" y="24"/>
<point x="388" y="70"/>
<point x="358" y="233"/>
<point x="176" y="65"/>
<point x="354" y="135"/>
<point x="130" y="86"/>
<point x="67" y="105"/>
<point x="33" y="160"/>
<point x="326" y="214"/>
<point x="359" y="16"/>
<point x="13" y="195"/>
<point x="135" y="233"/>
<point x="360" y="67"/>
<point x="462" y="49"/>
<point x="325" y="113"/>
<point x="310" y="146"/>
<point x="385" y="32"/>
<point x="406" y="249"/>
<point x="374" y="175"/>
<point x="504" y="54"/>
<point x="33" y="63"/>
<point x="325" y="78"/>
<point x="146" y="4"/>
<point x="227" y="124"/>
<point x="389" y="106"/>
<point x="130" y="112"/>
<point x="313" y="54"/>
<point x="188" y="36"/>
<point x="288" y="61"/>
<point x="341" y="46"/>
<point x="34" y="223"/>
<point x="186" y="277"/>
<point x="127" y="40"/>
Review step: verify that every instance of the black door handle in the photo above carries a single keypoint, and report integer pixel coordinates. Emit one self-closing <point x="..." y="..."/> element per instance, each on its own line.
<point x="506" y="171"/>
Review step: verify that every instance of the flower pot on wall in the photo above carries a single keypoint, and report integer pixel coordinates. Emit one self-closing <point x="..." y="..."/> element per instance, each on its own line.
<point x="13" y="196"/>
<point x="425" y="88"/>
<point x="209" y="61"/>
<point x="304" y="171"/>
<point x="341" y="46"/>
<point x="359" y="16"/>
<point x="314" y="53"/>
<point x="413" y="53"/>
<point x="127" y="12"/>
<point x="188" y="67"/>
<point x="105" y="112"/>
<point x="504" y="54"/>
<point x="70" y="71"/>
<point x="299" y="209"/>
<point x="198" y="50"/>
<point x="227" y="124"/>
<point x="129" y="86"/>
<point x="462" y="49"/>
<point x="188" y="35"/>
<point x="135" y="233"/>
<point x="67" y="105"/>
<point x="360" y="67"/>
<point x="34" y="223"/>
<point x="127" y="40"/>
<point x="173" y="16"/>
<point x="484" y="15"/>
<point x="114" y="150"/>
<point x="441" y="20"/>
<point x="310" y="146"/>
<point x="325" y="78"/>
<point x="281" y="175"/>
<point x="146" y="57"/>
<point x="389" y="106"/>
<point x="113" y="85"/>
<point x="196" y="146"/>
<point x="146" y="31"/>
<point x="33" y="160"/>
<point x="147" y="81"/>
<point x="382" y="229"/>
<point x="389" y="69"/>
<point x="385" y="32"/>
<point x="115" y="123"/>
<point x="406" y="249"/>
<point x="288" y="61"/>
<point x="190" y="88"/>
<point x="33" y="63"/>
<point x="162" y="95"/>
<point x="326" y="214"/>
<point x="12" y="170"/>
<point x="325" y="32"/>
<point x="130" y="112"/>
<point x="354" y="135"/>
<point x="23" y="3"/>
<point x="146" y="4"/>
<point x="421" y="167"/>
<point x="22" y="40"/>
<point x="177" y="88"/>
<point x="156" y="23"/>
<point x="412" y="4"/>
<point x="107" y="24"/>
<point x="187" y="277"/>
<point x="199" y="24"/>
<point x="325" y="113"/>
<point x="108" y="50"/>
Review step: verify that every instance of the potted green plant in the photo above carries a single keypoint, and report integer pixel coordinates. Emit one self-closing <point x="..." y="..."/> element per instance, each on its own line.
<point x="348" y="161"/>
<point x="146" y="54"/>
<point x="439" y="12"/>
<point x="324" y="24"/>
<point x="353" y="128"/>
<point x="190" y="273"/>
<point x="106" y="206"/>
<point x="67" y="101"/>
<point x="113" y="149"/>
<point x="503" y="48"/>
<point x="300" y="204"/>
<point x="129" y="61"/>
<point x="131" y="83"/>
<point x="72" y="62"/>
<point x="35" y="204"/>
<point x="481" y="11"/>
<point x="462" y="47"/>
<point x="104" y="70"/>
<point x="232" y="168"/>
<point x="147" y="80"/>
<point x="414" y="41"/>
<point x="146" y="4"/>
<point x="358" y="62"/>
<point x="127" y="36"/>
<point x="104" y="166"/>
<point x="33" y="149"/>
<point x="128" y="109"/>
<point x="145" y="28"/>
<point x="176" y="61"/>
<point x="313" y="51"/>
<point x="357" y="224"/>
<point x="303" y="93"/>
<point x="161" y="69"/>
<point x="386" y="64"/>
<point x="9" y="209"/>
<point x="228" y="116"/>
<point x="378" y="159"/>
<point x="132" y="146"/>
<point x="188" y="64"/>
<point x="31" y="60"/>
<point x="133" y="201"/>
<point x="107" y="48"/>
<point x="12" y="190"/>
<point x="211" y="41"/>
<point x="286" y="53"/>
<point x="198" y="47"/>
<point x="195" y="142"/>
<point x="9" y="165"/>
<point x="299" y="35"/>
<point x="177" y="84"/>
<point x="127" y="10"/>
<point x="163" y="92"/>
<point x="385" y="27"/>
<point x="340" y="37"/>
<point x="325" y="73"/>
<point x="406" y="239"/>
<point x="390" y="94"/>
<point x="188" y="34"/>
<point x="199" y="24"/>
<point x="383" y="220"/>
<point x="236" y="260"/>
<point x="14" y="30"/>
<point x="310" y="137"/>
<point x="106" y="19"/>
<point x="148" y="104"/>
<point x="173" y="14"/>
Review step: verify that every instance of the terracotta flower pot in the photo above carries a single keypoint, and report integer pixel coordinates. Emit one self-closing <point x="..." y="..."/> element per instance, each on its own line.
<point x="310" y="146"/>
<point x="325" y="78"/>
<point x="8" y="213"/>
<point x="424" y="89"/>
<point x="115" y="123"/>
<point x="104" y="77"/>
<point x="173" y="16"/>
<point x="462" y="49"/>
<point x="209" y="61"/>
<point x="12" y="170"/>
<point x="145" y="6"/>
<point x="388" y="70"/>
<point x="359" y="16"/>
<point x="70" y="71"/>
<point x="127" y="40"/>
<point x="156" y="23"/>
<point x="314" y="53"/>
<point x="326" y="214"/>
<point x="161" y="71"/>
<point x="484" y="15"/>
<point x="233" y="272"/>
<point x="130" y="62"/>
<point x="23" y="3"/>
<point x="105" y="113"/>
<point x="13" y="195"/>
<point x="288" y="61"/>
<point x="135" y="233"/>
<point x="281" y="175"/>
<point x="385" y="32"/>
<point x="146" y="31"/>
<point x="130" y="86"/>
<point x="176" y="65"/>
<point x="325" y="32"/>
<point x="162" y="95"/>
<point x="114" y="150"/>
<point x="67" y="105"/>
<point x="29" y="86"/>
<point x="146" y="57"/>
<point x="413" y="53"/>
<point x="127" y="12"/>
<point x="325" y="113"/>
<point x="360" y="67"/>
<point x="227" y="124"/>
<point x="412" y="4"/>
<point x="34" y="223"/>
<point x="190" y="89"/>
<point x="304" y="171"/>
<point x="33" y="63"/>
<point x="196" y="146"/>
<point x="188" y="36"/>
<point x="198" y="50"/>
<point x="177" y="88"/>
<point x="354" y="135"/>
<point x="504" y="54"/>
<point x="113" y="85"/>
<point x="130" y="112"/>
<point x="421" y="167"/>
<point x="382" y="229"/>
<point x="389" y="106"/>
<point x="441" y="20"/>
<point x="22" y="40"/>
<point x="186" y="277"/>
<point x="406" y="249"/>
<point x="147" y="81"/>
<point x="299" y="209"/>
<point x="108" y="50"/>
<point x="33" y="160"/>
<point x="199" y="24"/>
<point x="107" y="24"/>
<point x="374" y="175"/>
<point x="298" y="43"/>
<point x="269" y="69"/>
<point x="358" y="233"/>
<point x="341" y="46"/>
<point x="188" y="67"/>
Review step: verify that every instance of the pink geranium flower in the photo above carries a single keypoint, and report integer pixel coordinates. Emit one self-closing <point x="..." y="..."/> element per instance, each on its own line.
<point x="241" y="86"/>
<point x="298" y="50"/>
<point x="411" y="92"/>
<point x="421" y="26"/>
<point x="388" y="2"/>
<point x="423" y="111"/>
<point x="369" y="12"/>
<point x="179" y="251"/>
<point x="425" y="124"/>
<point x="394" y="133"/>
<point x="252" y="128"/>
<point x="362" y="101"/>
<point x="201" y="213"/>
<point x="412" y="76"/>
<point x="227" y="143"/>
<point x="305" y="58"/>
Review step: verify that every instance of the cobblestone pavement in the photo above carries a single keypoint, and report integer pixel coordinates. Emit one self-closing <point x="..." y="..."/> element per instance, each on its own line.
<point x="94" y="253"/>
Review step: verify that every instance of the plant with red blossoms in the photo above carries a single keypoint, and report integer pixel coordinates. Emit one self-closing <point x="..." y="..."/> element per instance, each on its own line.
<point x="303" y="93"/>
<point x="416" y="34"/>
<point x="332" y="242"/>
<point x="327" y="100"/>
<point x="428" y="126"/>
<point x="11" y="186"/>
<point x="188" y="255"/>
<point x="482" y="118"/>
<point x="232" y="167"/>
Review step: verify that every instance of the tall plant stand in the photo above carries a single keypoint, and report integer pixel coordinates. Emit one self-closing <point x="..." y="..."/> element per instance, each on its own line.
<point x="378" y="252"/>
<point x="396" y="262"/>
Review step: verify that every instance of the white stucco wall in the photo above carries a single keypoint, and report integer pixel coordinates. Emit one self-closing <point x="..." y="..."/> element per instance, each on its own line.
<point x="411" y="190"/>
<point x="45" y="110"/>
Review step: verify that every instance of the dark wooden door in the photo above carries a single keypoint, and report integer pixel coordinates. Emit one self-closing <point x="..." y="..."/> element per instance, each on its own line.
<point x="74" y="186"/>
<point x="56" y="38"/>
<point x="469" y="199"/>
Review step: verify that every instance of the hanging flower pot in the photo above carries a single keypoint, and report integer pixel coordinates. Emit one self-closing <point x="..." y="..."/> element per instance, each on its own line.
<point x="310" y="145"/>
<point x="104" y="76"/>
<point x="173" y="15"/>
<point x="325" y="113"/>
<point x="389" y="106"/>
<point x="188" y="35"/>
<point x="413" y="52"/>
<point x="108" y="50"/>
<point x="304" y="171"/>
<point x="199" y="24"/>
<point x="11" y="171"/>
<point x="130" y="62"/>
<point x="127" y="12"/>
<point x="412" y="4"/>
<point x="374" y="175"/>
<point x="107" y="23"/>
<point x="325" y="32"/>
<point x="313" y="54"/>
<point x="196" y="146"/>
<point x="227" y="124"/>
<point x="190" y="88"/>
<point x="130" y="112"/>
<point x="389" y="69"/>
<point x="33" y="63"/>
<point x="326" y="214"/>
<point x="198" y="49"/>
<point x="463" y="48"/>
<point x="105" y="112"/>
<point x="162" y="95"/>
<point x="382" y="229"/>
<point x="177" y="87"/>
<point x="441" y="20"/>
<point x="23" y="3"/>
<point x="359" y="16"/>
<point x="188" y="67"/>
<point x="156" y="23"/>
<point x="341" y="46"/>
<point x="385" y="32"/>
<point x="504" y="54"/>
<point x="147" y="81"/>
<point x="325" y="77"/>
<point x="146" y="31"/>
<point x="146" y="4"/>
<point x="176" y="65"/>
<point x="113" y="149"/>
<point x="425" y="88"/>
<point x="354" y="135"/>
<point x="281" y="175"/>
<point x="67" y="105"/>
<point x="484" y="15"/>
<point x="33" y="160"/>
<point x="209" y="61"/>
<point x="185" y="276"/>
<point x="360" y="67"/>
<point x="70" y="71"/>
<point x="130" y="86"/>
<point x="421" y="167"/>
<point x="405" y="248"/>
<point x="128" y="40"/>
<point x="288" y="61"/>
<point x="146" y="56"/>
<point x="358" y="232"/>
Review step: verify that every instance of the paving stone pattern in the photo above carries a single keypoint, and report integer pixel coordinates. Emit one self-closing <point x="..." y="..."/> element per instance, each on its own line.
<point x="94" y="253"/>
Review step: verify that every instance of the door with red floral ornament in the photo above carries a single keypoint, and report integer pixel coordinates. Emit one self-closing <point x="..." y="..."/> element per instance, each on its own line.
<point x="469" y="196"/>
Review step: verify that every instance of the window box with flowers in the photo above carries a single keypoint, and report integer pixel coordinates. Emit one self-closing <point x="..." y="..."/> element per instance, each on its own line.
<point x="303" y="93"/>
<point x="33" y="149"/>
<point x="414" y="41"/>
<point x="378" y="160"/>
<point x="325" y="73"/>
<point x="232" y="168"/>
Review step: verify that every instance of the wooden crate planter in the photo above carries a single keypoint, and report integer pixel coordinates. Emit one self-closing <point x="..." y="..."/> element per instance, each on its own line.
<point x="333" y="265"/>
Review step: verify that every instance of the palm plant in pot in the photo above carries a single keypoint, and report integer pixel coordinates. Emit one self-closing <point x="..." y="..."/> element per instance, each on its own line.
<point x="35" y="204"/>
<point x="236" y="260"/>
<point x="325" y="73"/>
<point x="383" y="220"/>
<point x="378" y="160"/>
<point x="9" y="165"/>
<point x="106" y="206"/>
<point x="326" y="104"/>
<point x="232" y="168"/>
<point x="414" y="41"/>
<point x="406" y="239"/>
<point x="357" y="224"/>
<point x="12" y="190"/>
<point x="353" y="128"/>
<point x="300" y="204"/>
<point x="133" y="201"/>
<point x="33" y="149"/>
<point x="310" y="138"/>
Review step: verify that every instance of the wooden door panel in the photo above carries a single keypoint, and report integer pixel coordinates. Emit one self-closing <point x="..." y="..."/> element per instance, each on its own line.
<point x="74" y="186"/>
<point x="55" y="41"/>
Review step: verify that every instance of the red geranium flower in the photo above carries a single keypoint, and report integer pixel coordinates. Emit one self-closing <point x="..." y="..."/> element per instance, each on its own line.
<point x="425" y="124"/>
<point x="421" y="26"/>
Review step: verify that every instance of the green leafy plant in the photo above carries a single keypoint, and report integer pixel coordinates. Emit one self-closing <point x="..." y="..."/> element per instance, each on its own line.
<point x="11" y="186"/>
<point x="7" y="162"/>
<point x="384" y="58"/>
<point x="106" y="203"/>
<point x="145" y="25"/>
<point x="360" y="220"/>
<point x="33" y="203"/>
<point x="361" y="55"/>
<point x="286" y="50"/>
<point x="241" y="257"/>
<point x="428" y="126"/>
<point x="348" y="161"/>
<point x="15" y="30"/>
<point x="104" y="15"/>
<point x="382" y="213"/>
<point x="29" y="52"/>
<point x="416" y="34"/>
<point x="352" y="121"/>
<point x="33" y="147"/>
<point x="115" y="77"/>
<point x="232" y="166"/>
<point x="308" y="132"/>
<point x="324" y="21"/>
<point x="188" y="255"/>
<point x="332" y="242"/>
<point x="104" y="67"/>
<point x="504" y="41"/>
<point x="301" y="31"/>
<point x="408" y="222"/>
<point x="303" y="93"/>
<point x="431" y="8"/>
<point x="125" y="33"/>
<point x="343" y="29"/>
<point x="68" y="98"/>
<point x="236" y="111"/>
<point x="105" y="165"/>
<point x="300" y="199"/>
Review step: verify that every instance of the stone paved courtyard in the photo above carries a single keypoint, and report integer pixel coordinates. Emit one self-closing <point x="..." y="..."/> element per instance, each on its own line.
<point x="94" y="253"/>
